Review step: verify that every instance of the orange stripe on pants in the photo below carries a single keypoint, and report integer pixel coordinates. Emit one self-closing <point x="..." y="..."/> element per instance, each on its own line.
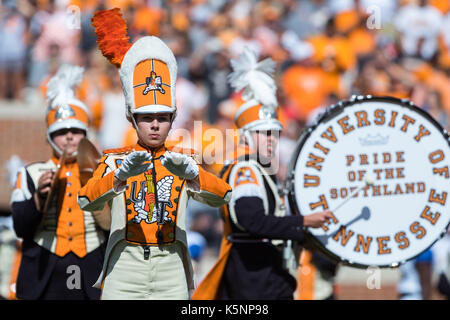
<point x="306" y="277"/>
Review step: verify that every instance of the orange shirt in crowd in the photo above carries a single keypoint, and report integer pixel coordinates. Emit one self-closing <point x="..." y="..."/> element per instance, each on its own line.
<point x="346" y="20"/>
<point x="362" y="41"/>
<point x="85" y="5"/>
<point x="148" y="20"/>
<point x="441" y="5"/>
<point x="337" y="48"/>
<point x="307" y="87"/>
<point x="441" y="83"/>
<point x="434" y="79"/>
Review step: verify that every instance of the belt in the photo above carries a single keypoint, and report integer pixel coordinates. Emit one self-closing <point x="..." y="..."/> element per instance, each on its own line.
<point x="245" y="239"/>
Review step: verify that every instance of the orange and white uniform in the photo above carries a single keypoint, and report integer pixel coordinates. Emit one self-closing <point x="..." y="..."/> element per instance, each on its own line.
<point x="65" y="227"/>
<point x="148" y="221"/>
<point x="10" y="255"/>
<point x="57" y="234"/>
<point x="147" y="255"/>
<point x="257" y="255"/>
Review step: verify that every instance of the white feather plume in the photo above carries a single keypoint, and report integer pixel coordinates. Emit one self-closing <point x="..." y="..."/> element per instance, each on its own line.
<point x="60" y="88"/>
<point x="256" y="78"/>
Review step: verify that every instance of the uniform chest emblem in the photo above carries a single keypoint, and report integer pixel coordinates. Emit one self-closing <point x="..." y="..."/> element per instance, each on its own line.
<point x="150" y="204"/>
<point x="245" y="175"/>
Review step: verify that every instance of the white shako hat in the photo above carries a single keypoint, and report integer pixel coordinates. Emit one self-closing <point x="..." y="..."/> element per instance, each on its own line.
<point x="64" y="110"/>
<point x="258" y="112"/>
<point x="147" y="68"/>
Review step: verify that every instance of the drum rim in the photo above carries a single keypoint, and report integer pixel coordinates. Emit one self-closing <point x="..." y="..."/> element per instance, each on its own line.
<point x="330" y="112"/>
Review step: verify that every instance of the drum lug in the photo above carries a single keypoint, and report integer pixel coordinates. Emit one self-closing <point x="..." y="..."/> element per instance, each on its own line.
<point x="289" y="181"/>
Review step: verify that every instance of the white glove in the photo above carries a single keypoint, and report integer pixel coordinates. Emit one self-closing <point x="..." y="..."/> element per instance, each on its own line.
<point x="180" y="165"/>
<point x="134" y="165"/>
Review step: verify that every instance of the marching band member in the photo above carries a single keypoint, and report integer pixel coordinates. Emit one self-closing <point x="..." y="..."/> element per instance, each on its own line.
<point x="251" y="263"/>
<point x="10" y="255"/>
<point x="63" y="246"/>
<point x="146" y="185"/>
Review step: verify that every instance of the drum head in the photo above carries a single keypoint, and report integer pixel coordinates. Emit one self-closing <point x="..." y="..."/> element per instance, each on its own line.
<point x="381" y="165"/>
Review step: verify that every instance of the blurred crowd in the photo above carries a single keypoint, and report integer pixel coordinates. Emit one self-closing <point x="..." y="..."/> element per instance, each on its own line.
<point x="325" y="50"/>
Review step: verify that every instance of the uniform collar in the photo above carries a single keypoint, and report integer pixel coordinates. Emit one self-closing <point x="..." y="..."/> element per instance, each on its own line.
<point x="69" y="164"/>
<point x="156" y="152"/>
<point x="55" y="160"/>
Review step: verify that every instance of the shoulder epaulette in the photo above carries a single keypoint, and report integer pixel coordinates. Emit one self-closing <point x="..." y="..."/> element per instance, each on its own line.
<point x="35" y="163"/>
<point x="123" y="150"/>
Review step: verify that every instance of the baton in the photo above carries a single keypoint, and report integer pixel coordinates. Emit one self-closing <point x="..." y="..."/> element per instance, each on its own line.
<point x="369" y="181"/>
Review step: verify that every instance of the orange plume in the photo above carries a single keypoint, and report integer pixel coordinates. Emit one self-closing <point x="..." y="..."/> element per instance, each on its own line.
<point x="111" y="31"/>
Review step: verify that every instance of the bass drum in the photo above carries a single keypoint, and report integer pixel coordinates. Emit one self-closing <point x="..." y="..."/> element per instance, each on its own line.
<point x="381" y="165"/>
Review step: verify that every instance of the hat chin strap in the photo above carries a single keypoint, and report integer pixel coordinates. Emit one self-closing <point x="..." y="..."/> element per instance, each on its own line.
<point x="247" y="138"/>
<point x="133" y="121"/>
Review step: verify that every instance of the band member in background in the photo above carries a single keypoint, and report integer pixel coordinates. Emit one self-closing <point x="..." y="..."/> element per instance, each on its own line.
<point x="251" y="263"/>
<point x="10" y="255"/>
<point x="147" y="185"/>
<point x="316" y="276"/>
<point x="63" y="246"/>
<point x="441" y="254"/>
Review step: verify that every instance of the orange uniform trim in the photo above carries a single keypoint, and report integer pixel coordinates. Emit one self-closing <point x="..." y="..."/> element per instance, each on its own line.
<point x="210" y="183"/>
<point x="187" y="151"/>
<point x="18" y="180"/>
<point x="99" y="184"/>
<point x="70" y="230"/>
<point x="14" y="272"/>
<point x="249" y="115"/>
<point x="79" y="114"/>
<point x="306" y="277"/>
<point x="208" y="289"/>
<point x="118" y="150"/>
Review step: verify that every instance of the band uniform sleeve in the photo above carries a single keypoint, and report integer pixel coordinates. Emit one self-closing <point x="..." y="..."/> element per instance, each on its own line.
<point x="26" y="216"/>
<point x="99" y="189"/>
<point x="250" y="215"/>
<point x="212" y="191"/>
<point x="246" y="181"/>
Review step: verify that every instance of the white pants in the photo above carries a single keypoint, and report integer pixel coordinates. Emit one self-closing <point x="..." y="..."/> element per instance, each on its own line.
<point x="130" y="277"/>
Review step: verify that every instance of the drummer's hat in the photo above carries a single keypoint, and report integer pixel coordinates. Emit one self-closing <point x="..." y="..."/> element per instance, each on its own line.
<point x="64" y="110"/>
<point x="147" y="68"/>
<point x="258" y="112"/>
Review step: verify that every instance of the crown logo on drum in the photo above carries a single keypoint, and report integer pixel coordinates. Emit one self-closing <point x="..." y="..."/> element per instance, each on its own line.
<point x="374" y="140"/>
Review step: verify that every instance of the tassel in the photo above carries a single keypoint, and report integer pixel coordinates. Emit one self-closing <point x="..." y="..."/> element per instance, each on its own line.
<point x="111" y="31"/>
<point x="255" y="78"/>
<point x="60" y="88"/>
